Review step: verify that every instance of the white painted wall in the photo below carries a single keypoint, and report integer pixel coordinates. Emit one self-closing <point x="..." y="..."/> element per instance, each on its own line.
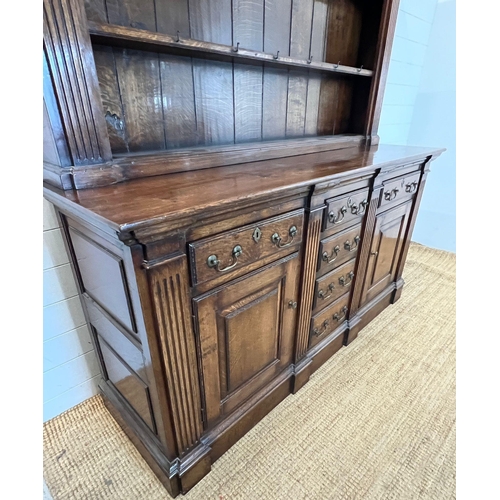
<point x="413" y="28"/>
<point x="433" y="124"/>
<point x="418" y="109"/>
<point x="70" y="370"/>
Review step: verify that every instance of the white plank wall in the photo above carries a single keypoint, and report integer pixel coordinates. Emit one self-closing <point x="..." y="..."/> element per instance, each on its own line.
<point x="70" y="370"/>
<point x="419" y="108"/>
<point x="413" y="29"/>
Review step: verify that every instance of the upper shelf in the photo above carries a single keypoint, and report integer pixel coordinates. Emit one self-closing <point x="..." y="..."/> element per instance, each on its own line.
<point x="111" y="34"/>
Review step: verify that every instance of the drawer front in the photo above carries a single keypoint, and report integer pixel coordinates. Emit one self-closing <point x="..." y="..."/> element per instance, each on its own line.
<point x="333" y="285"/>
<point x="328" y="320"/>
<point x="339" y="248"/>
<point x="232" y="250"/>
<point x="398" y="190"/>
<point x="346" y="210"/>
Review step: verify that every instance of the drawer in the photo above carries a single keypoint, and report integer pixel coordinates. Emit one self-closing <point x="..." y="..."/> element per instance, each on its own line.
<point x="232" y="250"/>
<point x="333" y="285"/>
<point x="346" y="210"/>
<point x="400" y="189"/>
<point x="328" y="320"/>
<point x="339" y="248"/>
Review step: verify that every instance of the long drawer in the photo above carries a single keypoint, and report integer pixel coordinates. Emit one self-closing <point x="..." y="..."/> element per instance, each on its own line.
<point x="221" y="254"/>
<point x="339" y="248"/>
<point x="333" y="285"/>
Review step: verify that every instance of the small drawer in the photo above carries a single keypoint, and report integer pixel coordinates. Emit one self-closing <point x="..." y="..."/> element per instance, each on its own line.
<point x="333" y="285"/>
<point x="229" y="251"/>
<point x="339" y="248"/>
<point x="397" y="190"/>
<point x="328" y="320"/>
<point x="346" y="210"/>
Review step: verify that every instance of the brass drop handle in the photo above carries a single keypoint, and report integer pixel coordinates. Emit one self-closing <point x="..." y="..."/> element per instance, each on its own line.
<point x="358" y="209"/>
<point x="337" y="316"/>
<point x="328" y="258"/>
<point x="411" y="187"/>
<point x="214" y="262"/>
<point x="335" y="219"/>
<point x="276" y="238"/>
<point x="292" y="304"/>
<point x="352" y="248"/>
<point x="343" y="281"/>
<point x="390" y="195"/>
<point x="321" y="293"/>
<point x="317" y="332"/>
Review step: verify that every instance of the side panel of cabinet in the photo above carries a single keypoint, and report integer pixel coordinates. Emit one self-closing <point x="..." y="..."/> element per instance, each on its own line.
<point x="246" y="335"/>
<point x="385" y="250"/>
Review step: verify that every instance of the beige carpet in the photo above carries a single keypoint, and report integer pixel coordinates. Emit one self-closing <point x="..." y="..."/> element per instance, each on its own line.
<point x="377" y="421"/>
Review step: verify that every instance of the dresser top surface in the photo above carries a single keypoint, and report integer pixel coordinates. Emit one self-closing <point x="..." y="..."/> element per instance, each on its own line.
<point x="148" y="201"/>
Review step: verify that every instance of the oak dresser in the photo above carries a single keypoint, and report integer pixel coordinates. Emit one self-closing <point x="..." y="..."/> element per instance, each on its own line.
<point x="231" y="217"/>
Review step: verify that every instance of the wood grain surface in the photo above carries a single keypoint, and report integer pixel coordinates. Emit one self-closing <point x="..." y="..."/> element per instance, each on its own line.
<point x="145" y="202"/>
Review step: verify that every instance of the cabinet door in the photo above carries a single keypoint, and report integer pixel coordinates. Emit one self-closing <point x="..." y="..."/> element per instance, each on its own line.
<point x="387" y="243"/>
<point x="246" y="334"/>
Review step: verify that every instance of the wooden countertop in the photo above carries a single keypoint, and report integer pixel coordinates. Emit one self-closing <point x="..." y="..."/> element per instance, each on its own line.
<point x="144" y="202"/>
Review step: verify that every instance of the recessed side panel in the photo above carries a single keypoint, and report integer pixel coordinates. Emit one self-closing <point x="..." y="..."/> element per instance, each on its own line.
<point x="128" y="383"/>
<point x="103" y="278"/>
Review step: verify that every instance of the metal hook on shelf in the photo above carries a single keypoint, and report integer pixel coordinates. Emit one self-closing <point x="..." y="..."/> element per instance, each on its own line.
<point x="359" y="69"/>
<point x="309" y="61"/>
<point x="235" y="49"/>
<point x="336" y="65"/>
<point x="178" y="38"/>
<point x="277" y="55"/>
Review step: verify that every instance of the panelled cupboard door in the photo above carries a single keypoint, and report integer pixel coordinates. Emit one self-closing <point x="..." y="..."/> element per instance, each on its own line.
<point x="387" y="243"/>
<point x="246" y="334"/>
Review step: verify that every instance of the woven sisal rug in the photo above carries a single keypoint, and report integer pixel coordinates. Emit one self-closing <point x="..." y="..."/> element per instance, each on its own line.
<point x="377" y="421"/>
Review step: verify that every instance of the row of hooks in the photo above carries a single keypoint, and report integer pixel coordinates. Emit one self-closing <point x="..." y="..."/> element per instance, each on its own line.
<point x="309" y="61"/>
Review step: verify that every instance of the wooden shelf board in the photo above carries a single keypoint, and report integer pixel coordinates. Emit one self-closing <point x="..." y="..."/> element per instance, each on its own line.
<point x="110" y="34"/>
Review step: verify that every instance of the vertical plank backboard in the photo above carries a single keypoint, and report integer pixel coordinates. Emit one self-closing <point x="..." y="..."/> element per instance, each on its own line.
<point x="139" y="80"/>
<point x="177" y="77"/>
<point x="173" y="17"/>
<point x="300" y="45"/>
<point x="248" y="31"/>
<point x="277" y="16"/>
<point x="210" y="20"/>
<point x="138" y="75"/>
<point x="111" y="99"/>
<point x="320" y="13"/>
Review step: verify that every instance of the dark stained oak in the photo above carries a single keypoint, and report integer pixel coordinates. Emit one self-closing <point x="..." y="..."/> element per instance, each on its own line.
<point x="344" y="28"/>
<point x="138" y="74"/>
<point x="275" y="80"/>
<point x="145" y="202"/>
<point x="339" y="248"/>
<point x="224" y="353"/>
<point x="112" y="102"/>
<point x="179" y="112"/>
<point x="246" y="335"/>
<point x="387" y="241"/>
<point x="204" y="44"/>
<point x="130" y="386"/>
<point x="248" y="32"/>
<point x="175" y="335"/>
<point x="70" y="62"/>
<point x="96" y="10"/>
<point x="172" y="16"/>
<point x="383" y="54"/>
